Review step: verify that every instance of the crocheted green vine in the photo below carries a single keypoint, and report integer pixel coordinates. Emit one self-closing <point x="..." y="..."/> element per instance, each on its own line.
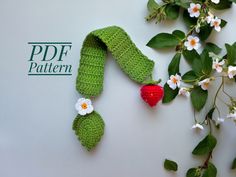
<point x="93" y="54"/>
<point x="206" y="67"/>
<point x="89" y="125"/>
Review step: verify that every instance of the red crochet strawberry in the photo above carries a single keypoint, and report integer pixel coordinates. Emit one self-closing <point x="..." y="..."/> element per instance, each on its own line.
<point x="152" y="94"/>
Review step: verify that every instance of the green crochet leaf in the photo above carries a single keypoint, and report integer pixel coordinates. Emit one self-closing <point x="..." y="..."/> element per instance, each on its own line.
<point x="89" y="129"/>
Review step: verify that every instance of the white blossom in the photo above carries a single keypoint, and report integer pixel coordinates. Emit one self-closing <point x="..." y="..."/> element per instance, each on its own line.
<point x="184" y="92"/>
<point x="215" y="1"/>
<point x="209" y="18"/>
<point x="198" y="126"/>
<point x="174" y="81"/>
<point x="84" y="106"/>
<point x="231" y="71"/>
<point x="218" y="65"/>
<point x="216" y="24"/>
<point x="194" y="10"/>
<point x="192" y="43"/>
<point x="204" y="83"/>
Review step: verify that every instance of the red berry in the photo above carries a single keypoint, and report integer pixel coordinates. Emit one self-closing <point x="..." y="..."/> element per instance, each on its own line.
<point x="152" y="94"/>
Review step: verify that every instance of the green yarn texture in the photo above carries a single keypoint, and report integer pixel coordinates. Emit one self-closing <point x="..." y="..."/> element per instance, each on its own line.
<point x="89" y="129"/>
<point x="93" y="54"/>
<point x="89" y="82"/>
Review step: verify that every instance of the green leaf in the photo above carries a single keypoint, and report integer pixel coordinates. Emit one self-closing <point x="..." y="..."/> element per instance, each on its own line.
<point x="206" y="62"/>
<point x="205" y="32"/>
<point x="189" y="21"/>
<point x="179" y="34"/>
<point x="213" y="48"/>
<point x="223" y="4"/>
<point x="233" y="164"/>
<point x="231" y="53"/>
<point x="170" y="165"/>
<point x="169" y="94"/>
<point x="190" y="56"/>
<point x="233" y="1"/>
<point x="189" y="77"/>
<point x="210" y="113"/>
<point x="89" y="129"/>
<point x="205" y="146"/>
<point x="163" y="40"/>
<point x="172" y="11"/>
<point x="174" y="64"/>
<point x="182" y="3"/>
<point x="198" y="68"/>
<point x="199" y="98"/>
<point x="193" y="172"/>
<point x="152" y="6"/>
<point x="223" y="23"/>
<point x="211" y="171"/>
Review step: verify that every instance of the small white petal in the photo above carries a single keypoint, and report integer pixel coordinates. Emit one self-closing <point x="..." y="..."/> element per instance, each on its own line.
<point x="190" y="48"/>
<point x="231" y="71"/>
<point x="218" y="28"/>
<point x="89" y="109"/>
<point x="219" y="69"/>
<point x="196" y="39"/>
<point x="197" y="46"/>
<point x="198" y="126"/>
<point x="219" y="121"/>
<point x="192" y="5"/>
<point x="215" y="1"/>
<point x="172" y="85"/>
<point x="184" y="92"/>
<point x="197" y="14"/>
<point x="198" y="6"/>
<point x="82" y="112"/>
<point x="190" y="38"/>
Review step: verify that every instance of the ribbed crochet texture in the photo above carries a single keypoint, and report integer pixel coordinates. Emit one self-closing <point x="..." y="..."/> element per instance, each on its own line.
<point x="93" y="53"/>
<point x="138" y="67"/>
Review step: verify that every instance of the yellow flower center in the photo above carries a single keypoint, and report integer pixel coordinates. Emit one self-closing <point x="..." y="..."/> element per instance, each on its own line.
<point x="84" y="106"/>
<point x="193" y="42"/>
<point x="206" y="84"/>
<point x="216" y="23"/>
<point x="174" y="80"/>
<point x="195" y="9"/>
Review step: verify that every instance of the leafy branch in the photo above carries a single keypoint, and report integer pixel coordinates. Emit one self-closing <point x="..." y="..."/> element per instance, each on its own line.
<point x="206" y="66"/>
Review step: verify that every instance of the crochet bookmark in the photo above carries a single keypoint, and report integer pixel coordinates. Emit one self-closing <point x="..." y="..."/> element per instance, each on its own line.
<point x="89" y="125"/>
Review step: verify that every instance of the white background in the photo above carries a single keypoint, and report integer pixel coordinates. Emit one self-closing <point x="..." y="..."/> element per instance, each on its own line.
<point x="36" y="113"/>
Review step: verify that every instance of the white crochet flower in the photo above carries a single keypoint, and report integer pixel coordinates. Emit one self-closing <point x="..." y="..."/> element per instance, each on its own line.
<point x="184" y="92"/>
<point x="215" y="1"/>
<point x="198" y="126"/>
<point x="174" y="81"/>
<point x="218" y="65"/>
<point x="204" y="83"/>
<point x="231" y="71"/>
<point x="192" y="43"/>
<point x="216" y="24"/>
<point x="194" y="10"/>
<point x="84" y="106"/>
